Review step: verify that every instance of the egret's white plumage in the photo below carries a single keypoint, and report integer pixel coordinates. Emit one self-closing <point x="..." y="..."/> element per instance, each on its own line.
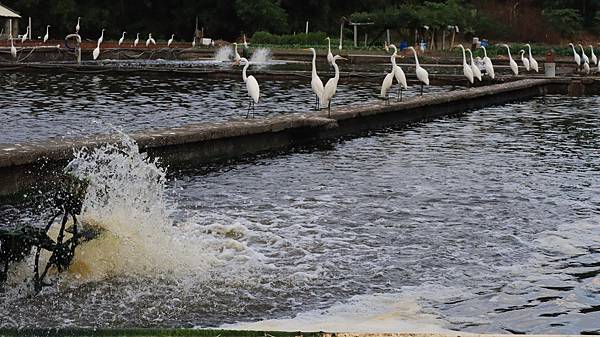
<point x="524" y="60"/>
<point x="422" y="74"/>
<point x="316" y="83"/>
<point x="475" y="68"/>
<point x="594" y="58"/>
<point x="101" y="39"/>
<point x="386" y="85"/>
<point x="24" y="37"/>
<point x="77" y="27"/>
<point x="194" y="42"/>
<point x="251" y="85"/>
<point x="398" y="72"/>
<point x="584" y="57"/>
<point x="487" y="62"/>
<point x="331" y="86"/>
<point x="576" y="56"/>
<point x="533" y="64"/>
<point x="467" y="70"/>
<point x="13" y="50"/>
<point x="513" y="65"/>
<point x="150" y="40"/>
<point x="170" y="42"/>
<point x="245" y="42"/>
<point x="122" y="39"/>
<point x="586" y="68"/>
<point x="236" y="55"/>
<point x="329" y="54"/>
<point x="137" y="40"/>
<point x="96" y="52"/>
<point x="47" y="36"/>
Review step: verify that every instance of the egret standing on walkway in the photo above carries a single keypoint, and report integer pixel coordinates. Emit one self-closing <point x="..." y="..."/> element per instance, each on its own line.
<point x="467" y="70"/>
<point x="316" y="83"/>
<point x="576" y="56"/>
<point x="331" y="86"/>
<point x="422" y="74"/>
<point x="524" y="60"/>
<point x="137" y="40"/>
<point x="513" y="65"/>
<point x="13" y="50"/>
<point x="251" y="86"/>
<point x="78" y="26"/>
<point x="487" y="62"/>
<point x="398" y="73"/>
<point x="386" y="85"/>
<point x="101" y="39"/>
<point x="533" y="64"/>
<point x="236" y="55"/>
<point x="594" y="57"/>
<point x="24" y="37"/>
<point x="329" y="54"/>
<point x="170" y="40"/>
<point x="122" y="39"/>
<point x="474" y="67"/>
<point x="150" y="40"/>
<point x="47" y="36"/>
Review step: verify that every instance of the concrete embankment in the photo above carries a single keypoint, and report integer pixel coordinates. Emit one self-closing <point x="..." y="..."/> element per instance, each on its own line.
<point x="196" y="144"/>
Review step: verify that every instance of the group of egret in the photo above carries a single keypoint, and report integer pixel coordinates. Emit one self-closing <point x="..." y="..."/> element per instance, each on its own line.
<point x="583" y="62"/>
<point x="398" y="74"/>
<point x="324" y="94"/>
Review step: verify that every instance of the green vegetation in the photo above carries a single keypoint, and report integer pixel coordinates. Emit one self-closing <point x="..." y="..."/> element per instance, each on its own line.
<point x="503" y="19"/>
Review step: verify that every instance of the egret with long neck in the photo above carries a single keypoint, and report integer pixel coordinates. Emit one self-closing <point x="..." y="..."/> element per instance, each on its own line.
<point x="513" y="65"/>
<point x="422" y="74"/>
<point x="398" y="73"/>
<point x="316" y="83"/>
<point x="122" y="39"/>
<point x="533" y="64"/>
<point x="489" y="67"/>
<point x="467" y="70"/>
<point x="329" y="54"/>
<point x="251" y="86"/>
<point x="525" y="60"/>
<point x="474" y="68"/>
<point x="331" y="86"/>
<point x="47" y="36"/>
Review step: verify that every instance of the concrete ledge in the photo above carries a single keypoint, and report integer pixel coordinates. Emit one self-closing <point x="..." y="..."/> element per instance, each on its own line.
<point x="195" y="144"/>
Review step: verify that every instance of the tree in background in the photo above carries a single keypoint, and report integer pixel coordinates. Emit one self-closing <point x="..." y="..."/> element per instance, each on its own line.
<point x="567" y="22"/>
<point x="262" y="15"/>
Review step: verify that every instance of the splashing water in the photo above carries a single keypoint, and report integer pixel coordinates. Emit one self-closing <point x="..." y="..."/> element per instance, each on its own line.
<point x="262" y="55"/>
<point x="224" y="54"/>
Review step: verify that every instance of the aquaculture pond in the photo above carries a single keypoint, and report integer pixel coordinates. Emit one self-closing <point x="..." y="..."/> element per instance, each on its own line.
<point x="488" y="222"/>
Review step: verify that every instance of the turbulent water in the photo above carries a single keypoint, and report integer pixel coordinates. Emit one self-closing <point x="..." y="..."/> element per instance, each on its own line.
<point x="50" y="105"/>
<point x="485" y="223"/>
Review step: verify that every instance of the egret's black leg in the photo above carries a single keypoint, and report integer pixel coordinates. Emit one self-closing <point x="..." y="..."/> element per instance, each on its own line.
<point x="329" y="109"/>
<point x="421" y="89"/>
<point x="249" y="107"/>
<point x="253" y="109"/>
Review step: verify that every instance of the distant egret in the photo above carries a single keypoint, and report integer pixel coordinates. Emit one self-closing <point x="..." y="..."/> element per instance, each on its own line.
<point x="398" y="72"/>
<point x="236" y="55"/>
<point x="513" y="65"/>
<point x="533" y="64"/>
<point x="386" y="85"/>
<point x="422" y="74"/>
<point x="194" y="43"/>
<point x="101" y="39"/>
<point x="524" y="60"/>
<point x="96" y="51"/>
<point x="331" y="86"/>
<point x="586" y="68"/>
<point x="251" y="85"/>
<point x="24" y="37"/>
<point x="576" y="56"/>
<point x="170" y="40"/>
<point x="474" y="67"/>
<point x="329" y="54"/>
<point x="245" y="42"/>
<point x="585" y="58"/>
<point x="137" y="40"/>
<point x="489" y="67"/>
<point x="78" y="26"/>
<point x="122" y="39"/>
<point x="47" y="36"/>
<point x="150" y="40"/>
<point x="594" y="57"/>
<point x="316" y="83"/>
<point x="13" y="50"/>
<point x="467" y="70"/>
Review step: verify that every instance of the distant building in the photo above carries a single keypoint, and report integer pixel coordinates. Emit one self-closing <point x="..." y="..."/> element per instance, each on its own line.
<point x="9" y="22"/>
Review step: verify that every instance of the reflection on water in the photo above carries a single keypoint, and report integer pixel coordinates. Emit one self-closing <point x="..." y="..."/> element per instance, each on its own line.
<point x="484" y="223"/>
<point x="45" y="105"/>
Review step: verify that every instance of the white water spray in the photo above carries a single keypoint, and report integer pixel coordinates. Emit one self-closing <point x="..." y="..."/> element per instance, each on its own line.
<point x="261" y="55"/>
<point x="224" y="54"/>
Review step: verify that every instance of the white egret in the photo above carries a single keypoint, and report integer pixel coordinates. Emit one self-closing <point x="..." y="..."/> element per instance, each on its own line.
<point x="24" y="37"/>
<point x="475" y="68"/>
<point x="137" y="40"/>
<point x="101" y="39"/>
<point x="386" y="85"/>
<point x="78" y="26"/>
<point x="47" y="36"/>
<point x="96" y="51"/>
<point x="524" y="60"/>
<point x="594" y="57"/>
<point x="150" y="40"/>
<point x="584" y="57"/>
<point x="398" y="72"/>
<point x="316" y="83"/>
<point x="467" y="70"/>
<point x="513" y="65"/>
<point x="331" y="86"/>
<point x="194" y="42"/>
<point x="489" y="67"/>
<point x="251" y="85"/>
<point x="586" y="67"/>
<point x="576" y="56"/>
<point x="170" y="40"/>
<point x="236" y="55"/>
<point x="329" y="54"/>
<point x="122" y="39"/>
<point x="245" y="42"/>
<point x="422" y="74"/>
<point x="533" y="64"/>
<point x="13" y="50"/>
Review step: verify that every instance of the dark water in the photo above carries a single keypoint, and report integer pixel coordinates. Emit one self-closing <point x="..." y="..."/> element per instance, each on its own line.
<point x="38" y="106"/>
<point x="489" y="222"/>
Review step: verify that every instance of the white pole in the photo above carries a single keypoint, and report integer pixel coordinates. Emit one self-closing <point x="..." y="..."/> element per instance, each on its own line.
<point x="355" y="36"/>
<point x="10" y="27"/>
<point x="388" y="36"/>
<point x="29" y="37"/>
<point x="341" y="35"/>
<point x="307" y="27"/>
